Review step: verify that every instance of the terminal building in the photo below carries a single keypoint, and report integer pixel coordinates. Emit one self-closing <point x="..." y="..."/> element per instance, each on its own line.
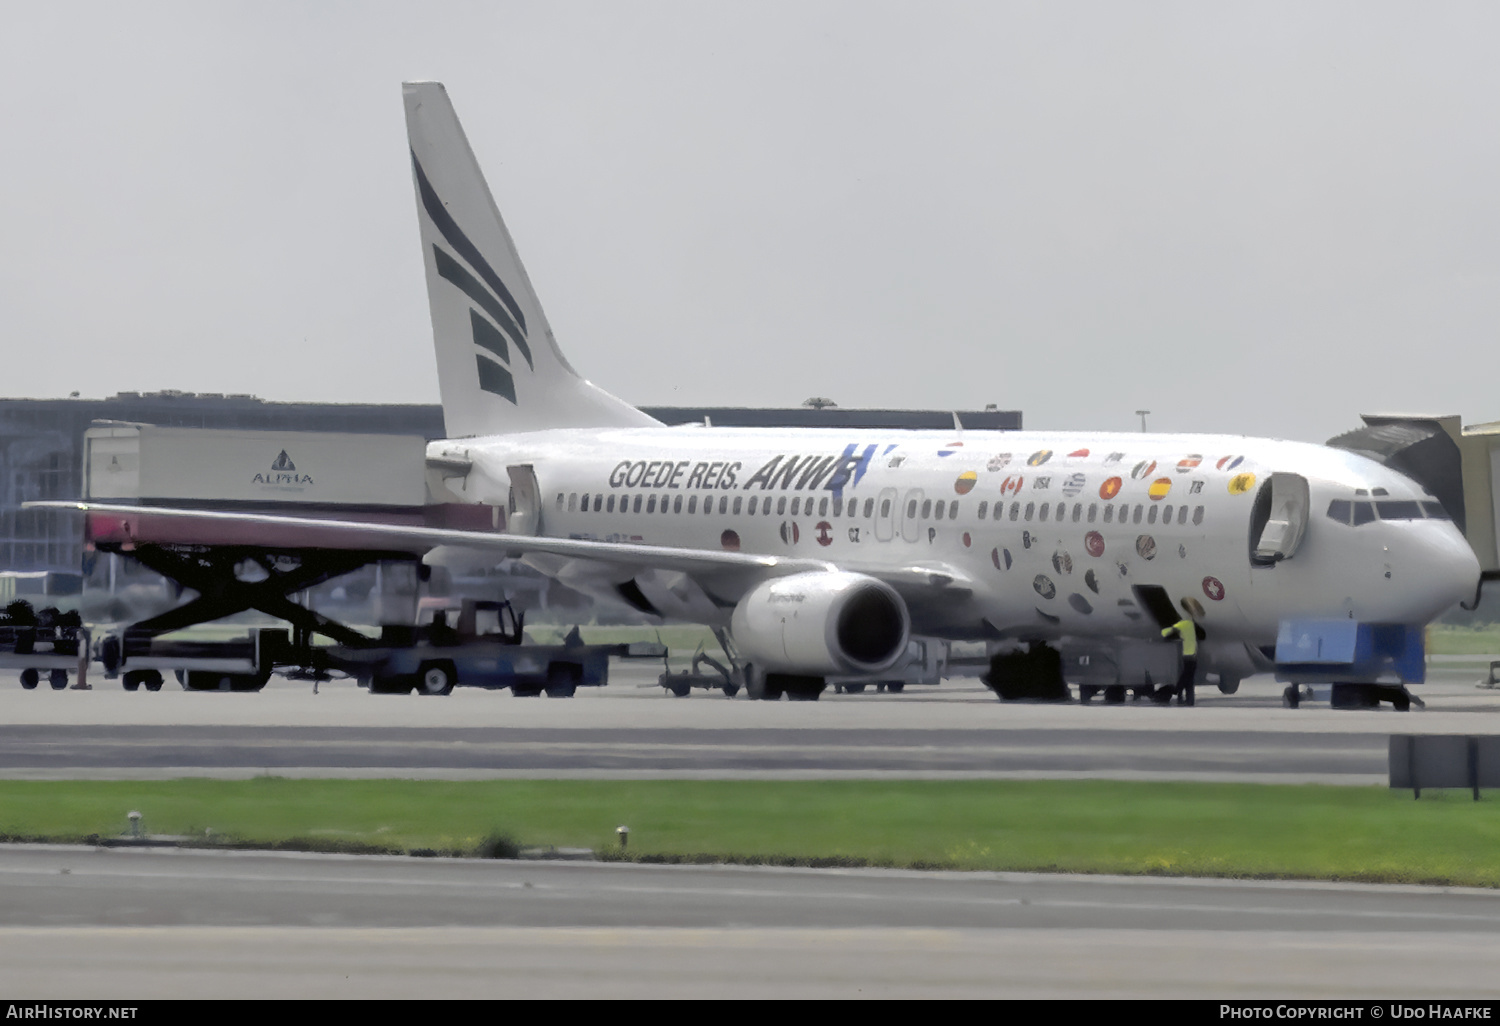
<point x="41" y="445"/>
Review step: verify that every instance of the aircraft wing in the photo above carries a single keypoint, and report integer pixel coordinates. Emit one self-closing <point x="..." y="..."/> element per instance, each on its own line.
<point x="728" y="575"/>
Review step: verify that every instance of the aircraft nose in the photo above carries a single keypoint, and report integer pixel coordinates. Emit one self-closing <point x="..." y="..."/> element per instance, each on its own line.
<point x="1446" y="572"/>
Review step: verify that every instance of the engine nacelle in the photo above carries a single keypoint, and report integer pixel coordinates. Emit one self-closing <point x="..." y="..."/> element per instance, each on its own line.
<point x="824" y="622"/>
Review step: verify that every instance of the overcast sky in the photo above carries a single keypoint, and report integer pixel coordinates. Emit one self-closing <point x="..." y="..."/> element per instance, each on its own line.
<point x="1260" y="218"/>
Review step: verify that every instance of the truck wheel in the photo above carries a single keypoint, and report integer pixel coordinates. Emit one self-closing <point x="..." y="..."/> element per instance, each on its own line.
<point x="152" y="680"/>
<point x="895" y="687"/>
<point x="392" y="685"/>
<point x="854" y="689"/>
<point x="563" y="679"/>
<point x="526" y="690"/>
<point x="436" y="678"/>
<point x="58" y="679"/>
<point x="29" y="679"/>
<point x="1114" y="694"/>
<point x="131" y="681"/>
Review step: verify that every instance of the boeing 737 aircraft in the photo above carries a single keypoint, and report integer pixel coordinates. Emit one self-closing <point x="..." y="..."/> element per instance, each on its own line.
<point x="823" y="552"/>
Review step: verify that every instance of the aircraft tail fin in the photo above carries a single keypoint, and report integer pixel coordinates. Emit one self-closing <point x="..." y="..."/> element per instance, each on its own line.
<point x="499" y="369"/>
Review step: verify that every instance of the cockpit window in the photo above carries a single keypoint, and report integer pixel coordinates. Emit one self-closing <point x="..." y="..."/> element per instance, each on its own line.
<point x="1396" y="509"/>
<point x="1361" y="512"/>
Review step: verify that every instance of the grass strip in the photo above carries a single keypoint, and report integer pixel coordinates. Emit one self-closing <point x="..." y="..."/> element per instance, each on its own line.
<point x="1187" y="829"/>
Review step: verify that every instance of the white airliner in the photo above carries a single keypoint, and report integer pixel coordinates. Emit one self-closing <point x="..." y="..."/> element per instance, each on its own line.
<point x="825" y="551"/>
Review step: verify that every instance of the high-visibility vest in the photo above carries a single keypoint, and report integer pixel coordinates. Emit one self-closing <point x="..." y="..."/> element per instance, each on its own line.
<point x="1188" y="632"/>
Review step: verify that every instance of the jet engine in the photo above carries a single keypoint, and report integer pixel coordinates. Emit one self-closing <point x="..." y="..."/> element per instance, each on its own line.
<point x="822" y="623"/>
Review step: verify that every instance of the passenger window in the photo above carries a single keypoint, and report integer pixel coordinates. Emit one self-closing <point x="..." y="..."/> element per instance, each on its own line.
<point x="1182" y="514"/>
<point x="823" y="508"/>
<point x="1340" y="510"/>
<point x="609" y="507"/>
<point x="572" y="501"/>
<point x="937" y="511"/>
<point x="911" y="509"/>
<point x="1077" y="512"/>
<point x="1062" y="511"/>
<point x="677" y="504"/>
<point x="560" y="501"/>
<point x="1042" y="513"/>
<point x="926" y="508"/>
<point x="953" y="510"/>
<point x="1030" y="509"/>
<point x="1197" y="515"/>
<point x="1137" y="518"/>
<point x="796" y="505"/>
<point x="692" y="504"/>
<point x="753" y="500"/>
<point x="885" y="507"/>
<point x="780" y="506"/>
<point x="1015" y="510"/>
<point x="1363" y="513"/>
<point x="1166" y="514"/>
<point x="1151" y="515"/>
<point x="723" y="505"/>
<point x="737" y="501"/>
<point x="637" y="507"/>
<point x="838" y="506"/>
<point x="1093" y="511"/>
<point x="651" y="504"/>
<point x="583" y="505"/>
<point x="1109" y="514"/>
<point x="984" y="507"/>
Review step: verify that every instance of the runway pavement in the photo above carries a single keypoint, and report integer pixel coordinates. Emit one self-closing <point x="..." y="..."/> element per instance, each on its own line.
<point x="633" y="729"/>
<point x="84" y="922"/>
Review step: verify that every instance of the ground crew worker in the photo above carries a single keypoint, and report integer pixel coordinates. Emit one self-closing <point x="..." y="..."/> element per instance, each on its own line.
<point x="1187" y="631"/>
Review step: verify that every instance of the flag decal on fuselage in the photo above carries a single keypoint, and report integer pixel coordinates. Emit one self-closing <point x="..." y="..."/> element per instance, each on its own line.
<point x="502" y="318"/>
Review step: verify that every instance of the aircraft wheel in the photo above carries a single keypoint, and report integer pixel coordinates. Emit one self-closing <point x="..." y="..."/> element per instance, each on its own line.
<point x="1228" y="685"/>
<point x="895" y="687"/>
<point x="1086" y="692"/>
<point x="854" y="689"/>
<point x="679" y="689"/>
<point x="730" y="690"/>
<point x="29" y="679"/>
<point x="58" y="679"/>
<point x="1291" y="698"/>
<point x="436" y="678"/>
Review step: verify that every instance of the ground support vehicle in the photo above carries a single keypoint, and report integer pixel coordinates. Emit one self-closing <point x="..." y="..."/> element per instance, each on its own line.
<point x="430" y="660"/>
<point x="43" y="645"/>
<point x="725" y="676"/>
